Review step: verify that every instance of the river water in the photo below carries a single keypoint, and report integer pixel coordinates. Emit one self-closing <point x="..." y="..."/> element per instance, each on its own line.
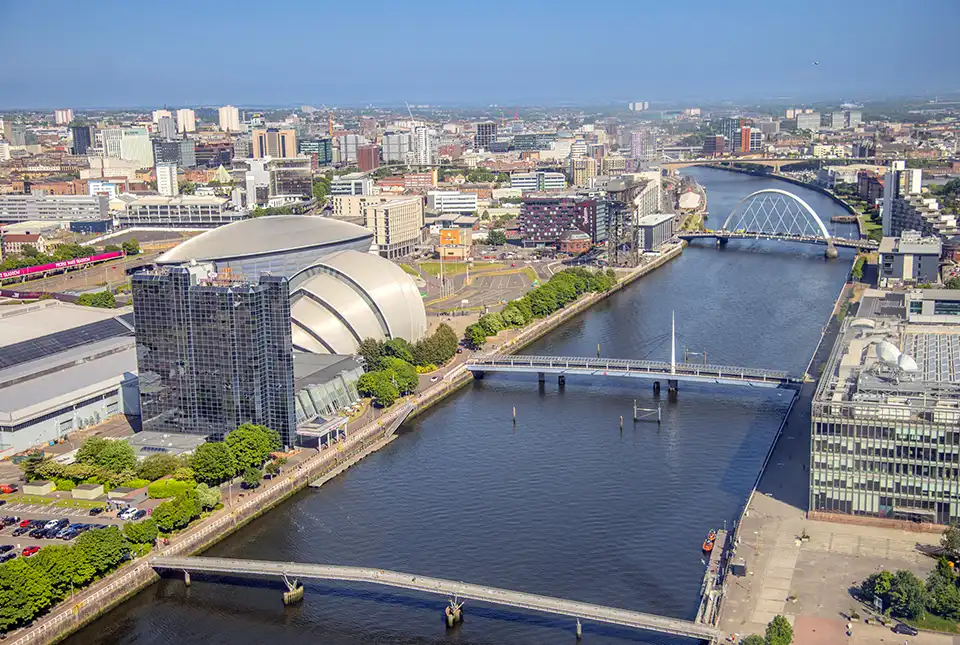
<point x="564" y="503"/>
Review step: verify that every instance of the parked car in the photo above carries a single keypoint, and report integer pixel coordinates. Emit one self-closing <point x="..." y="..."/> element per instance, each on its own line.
<point x="96" y="511"/>
<point x="11" y="519"/>
<point x="37" y="533"/>
<point x="26" y="523"/>
<point x="127" y="513"/>
<point x="6" y="547"/>
<point x="30" y="550"/>
<point x="57" y="523"/>
<point x="6" y="557"/>
<point x="2" y="502"/>
<point x="903" y="628"/>
<point x="66" y="533"/>
<point x="20" y="530"/>
<point x="138" y="514"/>
<point x="8" y="488"/>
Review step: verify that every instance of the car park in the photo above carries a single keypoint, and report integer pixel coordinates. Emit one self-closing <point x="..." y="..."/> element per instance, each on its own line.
<point x="127" y="513"/>
<point x="37" y="533"/>
<point x="11" y="520"/>
<point x="30" y="550"/>
<point x="6" y="547"/>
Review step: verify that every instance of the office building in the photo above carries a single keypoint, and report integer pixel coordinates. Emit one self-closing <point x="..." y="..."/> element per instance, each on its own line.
<point x="63" y="367"/>
<point x="214" y="351"/>
<point x="614" y="165"/>
<point x="348" y="147"/>
<point x="178" y="151"/>
<point x="751" y="140"/>
<point x="397" y="225"/>
<point x="135" y="146"/>
<point x="167" y="127"/>
<point x="229" y="119"/>
<point x="582" y="170"/>
<point x="186" y="121"/>
<point x="869" y="186"/>
<point x="808" y="121"/>
<point x="167" y="184"/>
<point x="16" y="134"/>
<point x="898" y="184"/>
<point x="397" y="146"/>
<point x="290" y="179"/>
<point x="653" y="230"/>
<point x="538" y="181"/>
<point x="533" y="141"/>
<point x="544" y="219"/>
<point x="643" y="147"/>
<point x="159" y="114"/>
<point x="242" y="147"/>
<point x="185" y="211"/>
<point x="910" y="258"/>
<point x="486" y="134"/>
<point x="864" y="149"/>
<point x="769" y="128"/>
<point x="368" y="157"/>
<point x="63" y="117"/>
<point x="714" y="145"/>
<point x="355" y="183"/>
<point x="854" y="118"/>
<point x="82" y="136"/>
<point x="274" y="143"/>
<point x="350" y="207"/>
<point x="834" y="120"/>
<point x="110" y="139"/>
<point x="451" y="201"/>
<point x="884" y="438"/>
<point x="322" y="147"/>
<point x="61" y="208"/>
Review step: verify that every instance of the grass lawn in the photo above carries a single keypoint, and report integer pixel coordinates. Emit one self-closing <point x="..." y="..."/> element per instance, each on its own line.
<point x="451" y="269"/>
<point x="31" y="499"/>
<point x="935" y="623"/>
<point x="79" y="503"/>
<point x="409" y="269"/>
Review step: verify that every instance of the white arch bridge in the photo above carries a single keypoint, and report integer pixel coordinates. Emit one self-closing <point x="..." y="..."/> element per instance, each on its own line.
<point x="774" y="214"/>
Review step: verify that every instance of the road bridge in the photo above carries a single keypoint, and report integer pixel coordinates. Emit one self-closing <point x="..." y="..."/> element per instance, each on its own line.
<point x="722" y="236"/>
<point x="774" y="162"/>
<point x="438" y="586"/>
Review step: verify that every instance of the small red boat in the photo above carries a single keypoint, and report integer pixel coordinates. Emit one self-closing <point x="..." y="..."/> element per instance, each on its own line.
<point x="708" y="543"/>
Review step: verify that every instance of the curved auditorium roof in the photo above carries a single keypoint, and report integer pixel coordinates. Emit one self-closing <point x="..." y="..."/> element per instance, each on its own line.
<point x="348" y="296"/>
<point x="267" y="236"/>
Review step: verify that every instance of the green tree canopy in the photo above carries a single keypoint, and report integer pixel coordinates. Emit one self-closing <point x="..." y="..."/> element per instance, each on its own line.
<point x="251" y="445"/>
<point x="104" y="549"/>
<point x="404" y="374"/>
<point x="90" y="449"/>
<point x="379" y="386"/>
<point x="779" y="631"/>
<point x="117" y="456"/>
<point x="475" y="336"/>
<point x="156" y="466"/>
<point x="753" y="639"/>
<point x="213" y="462"/>
<point x="131" y="246"/>
<point x="208" y="497"/>
<point x="24" y="593"/>
<point x="101" y="299"/>
<point x="907" y="595"/>
<point x="252" y="476"/>
<point x="950" y="541"/>
<point x="142" y="532"/>
<point x="497" y="237"/>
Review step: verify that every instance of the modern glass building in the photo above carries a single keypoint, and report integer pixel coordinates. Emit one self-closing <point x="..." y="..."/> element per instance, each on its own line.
<point x="214" y="351"/>
<point x="885" y="439"/>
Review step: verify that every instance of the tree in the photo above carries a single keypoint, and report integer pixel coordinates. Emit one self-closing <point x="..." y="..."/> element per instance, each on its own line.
<point x="101" y="299"/>
<point x="63" y="567"/>
<point x="251" y="445"/>
<point x="497" y="238"/>
<point x="379" y="386"/>
<point x="131" y="246"/>
<point x="156" y="466"/>
<point x="942" y="595"/>
<point x="404" y="374"/>
<point x="90" y="450"/>
<point x="251" y="477"/>
<point x="208" y="497"/>
<point x="371" y="352"/>
<point x="952" y="283"/>
<point x="877" y="585"/>
<point x="950" y="541"/>
<point x="117" y="456"/>
<point x="29" y="251"/>
<point x="907" y="595"/>
<point x="104" y="549"/>
<point x="24" y="593"/>
<point x="213" y="463"/>
<point x="111" y="248"/>
<point x="779" y="631"/>
<point x="398" y="348"/>
<point x="183" y="474"/>
<point x="165" y="515"/>
<point x="142" y="532"/>
<point x="475" y="336"/>
<point x="492" y="323"/>
<point x="857" y="271"/>
<point x="753" y="639"/>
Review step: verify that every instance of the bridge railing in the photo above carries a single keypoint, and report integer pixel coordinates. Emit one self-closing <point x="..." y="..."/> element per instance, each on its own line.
<point x="619" y="364"/>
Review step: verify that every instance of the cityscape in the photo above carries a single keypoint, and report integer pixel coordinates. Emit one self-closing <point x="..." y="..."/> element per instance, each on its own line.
<point x="639" y="352"/>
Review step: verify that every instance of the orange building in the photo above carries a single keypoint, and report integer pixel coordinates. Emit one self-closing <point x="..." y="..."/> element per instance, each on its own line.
<point x="453" y="237"/>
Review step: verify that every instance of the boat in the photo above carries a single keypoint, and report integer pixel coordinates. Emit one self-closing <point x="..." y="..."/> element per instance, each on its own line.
<point x="708" y="543"/>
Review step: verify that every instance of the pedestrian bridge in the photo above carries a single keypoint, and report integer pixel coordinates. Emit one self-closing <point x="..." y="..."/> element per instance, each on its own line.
<point x="651" y="370"/>
<point x="439" y="586"/>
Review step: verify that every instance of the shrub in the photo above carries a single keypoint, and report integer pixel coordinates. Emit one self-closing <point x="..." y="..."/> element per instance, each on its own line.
<point x="167" y="488"/>
<point x="65" y="484"/>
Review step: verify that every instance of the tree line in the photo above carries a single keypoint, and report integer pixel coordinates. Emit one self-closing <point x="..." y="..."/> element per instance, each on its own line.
<point x="392" y="366"/>
<point x="563" y="288"/>
<point x="29" y="256"/>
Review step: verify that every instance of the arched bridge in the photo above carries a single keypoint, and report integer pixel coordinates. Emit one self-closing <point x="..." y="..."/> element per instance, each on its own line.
<point x="774" y="214"/>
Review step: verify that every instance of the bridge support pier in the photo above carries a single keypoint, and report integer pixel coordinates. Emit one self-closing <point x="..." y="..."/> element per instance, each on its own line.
<point x="294" y="592"/>
<point x="579" y="630"/>
<point x="453" y="613"/>
<point x="656" y="387"/>
<point x="478" y="375"/>
<point x="186" y="578"/>
<point x="722" y="242"/>
<point x="672" y="386"/>
<point x="561" y="380"/>
<point x="541" y="378"/>
<point x="831" y="251"/>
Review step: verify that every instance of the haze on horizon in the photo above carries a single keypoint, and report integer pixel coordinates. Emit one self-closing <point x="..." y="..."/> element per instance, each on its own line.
<point x="122" y="54"/>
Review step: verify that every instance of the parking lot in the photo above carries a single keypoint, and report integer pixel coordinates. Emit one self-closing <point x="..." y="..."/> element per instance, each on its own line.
<point x="41" y="514"/>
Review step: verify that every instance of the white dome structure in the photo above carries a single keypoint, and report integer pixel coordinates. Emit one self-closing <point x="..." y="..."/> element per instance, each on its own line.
<point x="349" y="296"/>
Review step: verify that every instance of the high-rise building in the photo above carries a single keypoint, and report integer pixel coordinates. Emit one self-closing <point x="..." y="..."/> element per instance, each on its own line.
<point x="486" y="133"/>
<point x="16" y="134"/>
<point x="159" y="114"/>
<point x="751" y="140"/>
<point x="167" y="180"/>
<point x="714" y="145"/>
<point x="808" y="121"/>
<point x="544" y="219"/>
<point x="396" y="146"/>
<point x="397" y="225"/>
<point x="63" y="117"/>
<point x="273" y="142"/>
<point x="348" y="147"/>
<point x="82" y="138"/>
<point x="833" y="120"/>
<point x="229" y="119"/>
<point x="186" y="120"/>
<point x="899" y="183"/>
<point x="166" y="127"/>
<point x="110" y="141"/>
<point x="582" y="170"/>
<point x="538" y="181"/>
<point x="135" y="145"/>
<point x="290" y="177"/>
<point x="179" y="151"/>
<point x="320" y="146"/>
<point x="854" y="118"/>
<point x="424" y="146"/>
<point x="368" y="157"/>
<point x="214" y="351"/>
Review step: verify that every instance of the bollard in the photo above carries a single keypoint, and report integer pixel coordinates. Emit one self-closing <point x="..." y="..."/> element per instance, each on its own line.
<point x="186" y="578"/>
<point x="579" y="630"/>
<point x="514" y="415"/>
<point x="621" y="422"/>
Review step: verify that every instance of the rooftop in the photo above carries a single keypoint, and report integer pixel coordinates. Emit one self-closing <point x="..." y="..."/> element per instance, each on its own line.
<point x="20" y="323"/>
<point x="911" y="242"/>
<point x="654" y="219"/>
<point x="148" y="443"/>
<point x="314" y="369"/>
<point x="182" y="200"/>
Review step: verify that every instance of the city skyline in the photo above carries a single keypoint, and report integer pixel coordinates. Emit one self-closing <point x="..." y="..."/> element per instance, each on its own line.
<point x="747" y="52"/>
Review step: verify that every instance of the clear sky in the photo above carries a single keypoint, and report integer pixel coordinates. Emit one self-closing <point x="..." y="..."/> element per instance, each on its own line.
<point x="115" y="53"/>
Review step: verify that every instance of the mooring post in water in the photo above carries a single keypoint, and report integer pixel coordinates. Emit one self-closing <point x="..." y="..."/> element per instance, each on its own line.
<point x="561" y="381"/>
<point x="598" y="350"/>
<point x="579" y="630"/>
<point x="186" y="578"/>
<point x="514" y="415"/>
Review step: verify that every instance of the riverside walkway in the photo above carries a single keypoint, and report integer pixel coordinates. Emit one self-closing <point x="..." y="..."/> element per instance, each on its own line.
<point x="439" y="586"/>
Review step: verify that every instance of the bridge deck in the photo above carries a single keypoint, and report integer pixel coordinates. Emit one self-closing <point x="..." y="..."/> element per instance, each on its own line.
<point x="784" y="237"/>
<point x="483" y="593"/>
<point x="632" y="368"/>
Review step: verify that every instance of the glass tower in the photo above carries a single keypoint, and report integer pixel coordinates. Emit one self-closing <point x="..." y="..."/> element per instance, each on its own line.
<point x="213" y="351"/>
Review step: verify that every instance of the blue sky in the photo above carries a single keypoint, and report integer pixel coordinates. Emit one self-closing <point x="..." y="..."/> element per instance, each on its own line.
<point x="106" y="53"/>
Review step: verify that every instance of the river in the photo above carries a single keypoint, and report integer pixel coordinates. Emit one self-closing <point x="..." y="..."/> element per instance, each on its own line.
<point x="564" y="503"/>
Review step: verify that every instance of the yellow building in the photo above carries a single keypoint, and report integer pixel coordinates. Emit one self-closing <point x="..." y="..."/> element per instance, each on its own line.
<point x="582" y="170"/>
<point x="397" y="225"/>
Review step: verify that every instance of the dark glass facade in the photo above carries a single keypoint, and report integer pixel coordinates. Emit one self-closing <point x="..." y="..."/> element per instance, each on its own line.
<point x="213" y="353"/>
<point x="82" y="138"/>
